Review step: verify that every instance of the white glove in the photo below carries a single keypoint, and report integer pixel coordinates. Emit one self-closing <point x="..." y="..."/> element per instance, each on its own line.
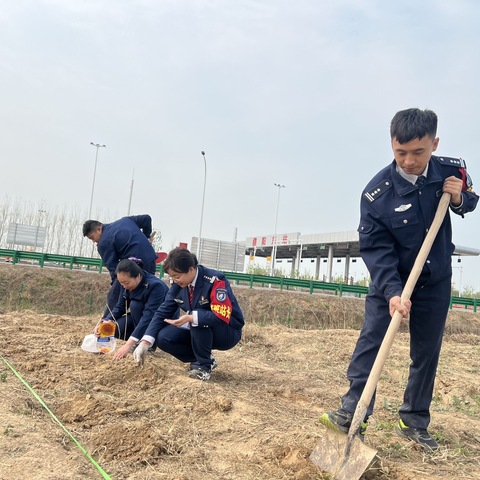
<point x="140" y="353"/>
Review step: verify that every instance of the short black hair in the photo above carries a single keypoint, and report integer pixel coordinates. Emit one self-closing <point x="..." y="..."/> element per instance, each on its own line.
<point x="413" y="123"/>
<point x="90" y="226"/>
<point x="131" y="267"/>
<point x="180" y="260"/>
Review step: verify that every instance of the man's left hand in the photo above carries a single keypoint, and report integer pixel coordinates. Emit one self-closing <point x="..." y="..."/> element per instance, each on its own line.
<point x="453" y="186"/>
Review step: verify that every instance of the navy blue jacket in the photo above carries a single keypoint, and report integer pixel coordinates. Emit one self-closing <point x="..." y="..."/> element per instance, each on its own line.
<point x="143" y="302"/>
<point x="395" y="218"/>
<point x="124" y="238"/>
<point x="177" y="297"/>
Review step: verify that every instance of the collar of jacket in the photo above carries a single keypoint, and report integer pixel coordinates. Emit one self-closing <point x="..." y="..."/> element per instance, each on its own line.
<point x="404" y="187"/>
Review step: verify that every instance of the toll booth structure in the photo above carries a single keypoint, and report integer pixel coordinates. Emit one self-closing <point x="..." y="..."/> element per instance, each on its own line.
<point x="326" y="247"/>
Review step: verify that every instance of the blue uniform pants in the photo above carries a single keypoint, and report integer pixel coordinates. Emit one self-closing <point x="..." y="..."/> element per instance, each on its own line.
<point x="195" y="345"/>
<point x="428" y="314"/>
<point x="126" y="324"/>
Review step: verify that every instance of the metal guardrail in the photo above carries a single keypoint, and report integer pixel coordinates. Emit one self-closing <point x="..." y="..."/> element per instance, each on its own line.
<point x="290" y="283"/>
<point x="337" y="288"/>
<point x="465" y="302"/>
<point x="17" y="256"/>
<point x="66" y="261"/>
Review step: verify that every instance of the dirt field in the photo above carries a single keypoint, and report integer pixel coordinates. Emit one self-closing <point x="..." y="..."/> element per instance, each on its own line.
<point x="257" y="418"/>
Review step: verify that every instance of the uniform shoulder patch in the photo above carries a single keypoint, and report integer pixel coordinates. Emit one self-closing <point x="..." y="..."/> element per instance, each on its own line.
<point x="209" y="279"/>
<point x="378" y="190"/>
<point x="451" y="162"/>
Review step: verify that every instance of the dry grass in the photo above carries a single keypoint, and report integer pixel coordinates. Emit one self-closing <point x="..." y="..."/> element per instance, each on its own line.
<point x="257" y="419"/>
<point x="52" y="290"/>
<point x="80" y="293"/>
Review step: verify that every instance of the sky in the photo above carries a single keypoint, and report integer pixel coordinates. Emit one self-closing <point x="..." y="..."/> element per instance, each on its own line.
<point x="273" y="91"/>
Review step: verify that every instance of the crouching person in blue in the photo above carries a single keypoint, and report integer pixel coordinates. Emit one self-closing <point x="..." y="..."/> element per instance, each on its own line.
<point x="213" y="319"/>
<point x="140" y="296"/>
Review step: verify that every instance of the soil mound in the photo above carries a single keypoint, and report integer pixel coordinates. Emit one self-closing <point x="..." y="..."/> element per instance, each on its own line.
<point x="257" y="418"/>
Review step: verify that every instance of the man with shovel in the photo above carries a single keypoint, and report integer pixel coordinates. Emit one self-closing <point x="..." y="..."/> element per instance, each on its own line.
<point x="397" y="209"/>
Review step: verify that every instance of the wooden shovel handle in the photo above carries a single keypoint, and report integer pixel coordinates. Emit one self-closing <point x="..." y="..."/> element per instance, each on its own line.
<point x="382" y="354"/>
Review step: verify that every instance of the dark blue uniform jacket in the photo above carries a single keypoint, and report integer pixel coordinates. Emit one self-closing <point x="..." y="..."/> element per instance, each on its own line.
<point x="142" y="302"/>
<point x="395" y="218"/>
<point x="177" y="297"/>
<point x="124" y="238"/>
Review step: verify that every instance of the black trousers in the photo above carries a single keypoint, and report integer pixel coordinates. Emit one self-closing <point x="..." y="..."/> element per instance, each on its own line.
<point x="430" y="304"/>
<point x="196" y="344"/>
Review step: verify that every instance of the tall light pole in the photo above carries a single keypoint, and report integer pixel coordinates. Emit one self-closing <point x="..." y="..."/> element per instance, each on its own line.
<point x="97" y="145"/>
<point x="131" y="193"/>
<point x="274" y="248"/>
<point x="203" y="204"/>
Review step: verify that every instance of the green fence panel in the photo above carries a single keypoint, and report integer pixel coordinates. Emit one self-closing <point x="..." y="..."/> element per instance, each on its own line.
<point x="15" y="256"/>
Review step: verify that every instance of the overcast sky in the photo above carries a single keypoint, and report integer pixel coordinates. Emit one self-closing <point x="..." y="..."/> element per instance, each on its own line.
<point x="274" y="91"/>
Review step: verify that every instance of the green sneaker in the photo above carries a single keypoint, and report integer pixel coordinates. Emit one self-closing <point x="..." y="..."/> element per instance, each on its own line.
<point x="417" y="435"/>
<point x="341" y="421"/>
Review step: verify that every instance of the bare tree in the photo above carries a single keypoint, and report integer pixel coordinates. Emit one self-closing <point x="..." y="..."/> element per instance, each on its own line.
<point x="63" y="225"/>
<point x="4" y="215"/>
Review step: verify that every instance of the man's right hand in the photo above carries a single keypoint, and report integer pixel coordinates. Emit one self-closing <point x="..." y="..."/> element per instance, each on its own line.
<point x="395" y="305"/>
<point x="140" y="352"/>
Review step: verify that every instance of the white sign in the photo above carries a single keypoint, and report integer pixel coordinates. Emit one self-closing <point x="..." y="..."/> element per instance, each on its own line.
<point x="29" y="235"/>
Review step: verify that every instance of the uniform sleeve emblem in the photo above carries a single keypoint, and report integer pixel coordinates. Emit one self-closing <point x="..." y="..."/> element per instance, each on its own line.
<point x="220" y="302"/>
<point x="221" y="294"/>
<point x="467" y="181"/>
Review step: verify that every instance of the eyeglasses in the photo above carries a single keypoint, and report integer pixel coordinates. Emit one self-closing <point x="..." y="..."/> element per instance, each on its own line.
<point x="176" y="276"/>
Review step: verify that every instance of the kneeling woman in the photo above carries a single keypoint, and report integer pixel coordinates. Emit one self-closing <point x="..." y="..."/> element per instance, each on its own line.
<point x="140" y="296"/>
<point x="213" y="319"/>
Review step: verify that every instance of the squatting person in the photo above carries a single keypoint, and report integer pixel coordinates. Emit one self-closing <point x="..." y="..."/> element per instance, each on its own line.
<point x="141" y="294"/>
<point x="213" y="318"/>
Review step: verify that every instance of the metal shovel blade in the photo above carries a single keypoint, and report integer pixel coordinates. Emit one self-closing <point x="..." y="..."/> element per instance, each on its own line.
<point x="344" y="457"/>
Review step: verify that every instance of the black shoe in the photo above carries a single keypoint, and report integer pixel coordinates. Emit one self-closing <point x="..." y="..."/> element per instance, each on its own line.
<point x="341" y="421"/>
<point x="417" y="435"/>
<point x="196" y="365"/>
<point x="214" y="363"/>
<point x="199" y="373"/>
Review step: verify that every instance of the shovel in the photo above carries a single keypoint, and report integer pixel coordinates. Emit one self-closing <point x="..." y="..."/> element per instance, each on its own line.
<point x="346" y="457"/>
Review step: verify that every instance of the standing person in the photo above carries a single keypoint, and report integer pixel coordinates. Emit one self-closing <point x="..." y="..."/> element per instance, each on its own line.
<point x="397" y="209"/>
<point x="213" y="318"/>
<point x="140" y="296"/>
<point x="124" y="238"/>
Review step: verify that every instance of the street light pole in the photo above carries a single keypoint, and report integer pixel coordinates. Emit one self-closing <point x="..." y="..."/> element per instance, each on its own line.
<point x="274" y="248"/>
<point x="203" y="204"/>
<point x="97" y="145"/>
<point x="131" y="193"/>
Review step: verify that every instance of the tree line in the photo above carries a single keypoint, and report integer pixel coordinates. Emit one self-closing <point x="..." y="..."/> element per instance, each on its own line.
<point x="63" y="226"/>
